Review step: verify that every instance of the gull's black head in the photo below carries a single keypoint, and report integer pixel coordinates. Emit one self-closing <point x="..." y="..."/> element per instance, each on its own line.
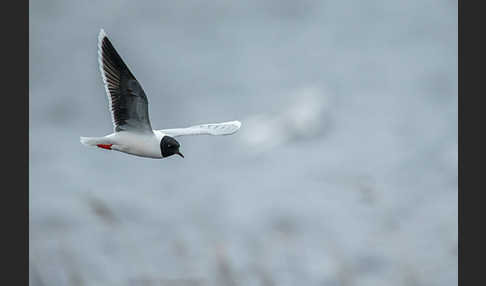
<point x="169" y="146"/>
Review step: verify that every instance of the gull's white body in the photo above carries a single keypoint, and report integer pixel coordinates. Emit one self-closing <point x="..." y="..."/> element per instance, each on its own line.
<point x="139" y="144"/>
<point x="128" y="106"/>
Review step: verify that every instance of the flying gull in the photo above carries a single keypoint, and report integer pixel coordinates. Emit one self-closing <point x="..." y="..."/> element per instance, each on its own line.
<point x="128" y="105"/>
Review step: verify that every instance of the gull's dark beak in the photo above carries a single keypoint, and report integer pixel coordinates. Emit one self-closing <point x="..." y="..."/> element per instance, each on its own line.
<point x="180" y="154"/>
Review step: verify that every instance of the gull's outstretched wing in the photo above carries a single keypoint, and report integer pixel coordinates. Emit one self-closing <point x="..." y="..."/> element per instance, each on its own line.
<point x="223" y="128"/>
<point x="127" y="101"/>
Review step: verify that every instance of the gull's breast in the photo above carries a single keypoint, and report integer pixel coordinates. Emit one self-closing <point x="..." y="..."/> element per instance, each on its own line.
<point x="139" y="144"/>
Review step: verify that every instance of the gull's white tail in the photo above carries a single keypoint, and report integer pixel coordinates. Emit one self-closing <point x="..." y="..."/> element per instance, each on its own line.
<point x="92" y="141"/>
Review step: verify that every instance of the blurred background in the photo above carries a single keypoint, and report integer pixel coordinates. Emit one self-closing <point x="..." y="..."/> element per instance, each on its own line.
<point x="344" y="171"/>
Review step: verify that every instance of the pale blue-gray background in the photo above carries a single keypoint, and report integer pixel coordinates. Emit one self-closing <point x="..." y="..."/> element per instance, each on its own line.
<point x="343" y="173"/>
